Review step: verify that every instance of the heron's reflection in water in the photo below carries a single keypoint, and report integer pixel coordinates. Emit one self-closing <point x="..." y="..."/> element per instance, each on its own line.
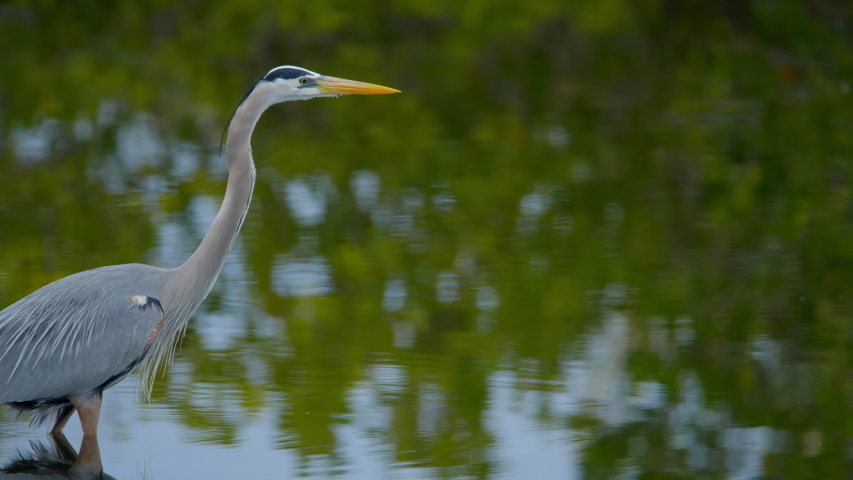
<point x="57" y="459"/>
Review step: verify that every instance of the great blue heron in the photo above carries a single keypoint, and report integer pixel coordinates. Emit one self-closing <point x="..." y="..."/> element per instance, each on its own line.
<point x="63" y="344"/>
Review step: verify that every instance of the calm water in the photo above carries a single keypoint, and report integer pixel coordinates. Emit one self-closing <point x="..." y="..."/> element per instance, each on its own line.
<point x="589" y="240"/>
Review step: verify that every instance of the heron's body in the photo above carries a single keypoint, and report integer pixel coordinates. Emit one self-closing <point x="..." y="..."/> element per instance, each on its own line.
<point x="62" y="345"/>
<point x="86" y="306"/>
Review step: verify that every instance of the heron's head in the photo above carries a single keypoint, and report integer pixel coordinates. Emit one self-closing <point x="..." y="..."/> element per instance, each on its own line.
<point x="295" y="83"/>
<point x="286" y="83"/>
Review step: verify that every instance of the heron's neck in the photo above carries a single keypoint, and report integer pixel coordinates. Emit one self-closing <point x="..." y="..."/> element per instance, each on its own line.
<point x="196" y="277"/>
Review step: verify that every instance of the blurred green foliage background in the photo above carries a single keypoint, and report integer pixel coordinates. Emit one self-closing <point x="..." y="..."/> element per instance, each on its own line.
<point x="648" y="196"/>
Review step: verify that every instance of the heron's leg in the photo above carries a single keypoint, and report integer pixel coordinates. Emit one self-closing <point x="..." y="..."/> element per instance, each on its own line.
<point x="62" y="417"/>
<point x="65" y="450"/>
<point x="88" y="463"/>
<point x="89" y="409"/>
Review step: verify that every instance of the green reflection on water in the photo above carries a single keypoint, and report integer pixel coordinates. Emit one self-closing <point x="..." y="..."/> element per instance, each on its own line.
<point x="646" y="206"/>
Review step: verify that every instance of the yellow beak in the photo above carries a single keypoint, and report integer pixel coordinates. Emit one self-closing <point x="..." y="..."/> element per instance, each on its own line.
<point x="339" y="86"/>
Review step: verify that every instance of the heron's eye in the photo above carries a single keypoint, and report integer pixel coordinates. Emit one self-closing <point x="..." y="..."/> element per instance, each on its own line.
<point x="303" y="81"/>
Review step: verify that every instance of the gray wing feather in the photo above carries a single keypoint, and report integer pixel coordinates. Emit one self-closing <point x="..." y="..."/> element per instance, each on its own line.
<point x="74" y="335"/>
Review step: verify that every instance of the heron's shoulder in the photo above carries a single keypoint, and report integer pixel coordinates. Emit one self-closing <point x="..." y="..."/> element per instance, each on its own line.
<point x="128" y="270"/>
<point x="129" y="273"/>
<point x="127" y="280"/>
